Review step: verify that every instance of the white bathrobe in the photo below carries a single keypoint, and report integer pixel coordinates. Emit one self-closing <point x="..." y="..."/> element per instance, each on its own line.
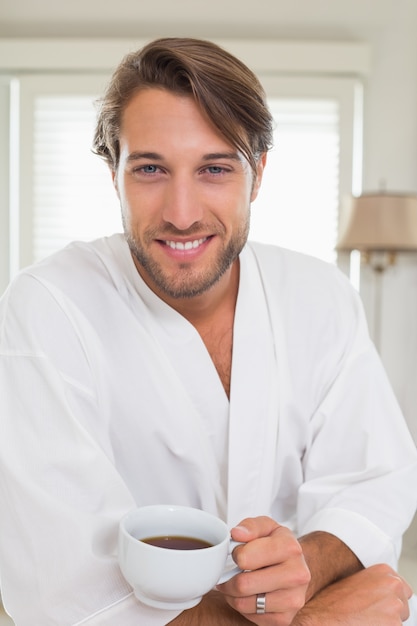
<point x="109" y="400"/>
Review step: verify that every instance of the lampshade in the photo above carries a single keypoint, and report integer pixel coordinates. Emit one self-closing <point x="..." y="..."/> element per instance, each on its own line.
<point x="381" y="221"/>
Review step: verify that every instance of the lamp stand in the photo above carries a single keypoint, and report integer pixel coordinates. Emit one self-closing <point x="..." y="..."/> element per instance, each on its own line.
<point x="379" y="262"/>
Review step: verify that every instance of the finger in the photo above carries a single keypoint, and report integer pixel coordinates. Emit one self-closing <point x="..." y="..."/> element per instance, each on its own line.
<point x="270" y="579"/>
<point x="404" y="593"/>
<point x="400" y="587"/>
<point x="279" y="547"/>
<point x="254" y="527"/>
<point x="280" y="606"/>
<point x="405" y="611"/>
<point x="407" y="588"/>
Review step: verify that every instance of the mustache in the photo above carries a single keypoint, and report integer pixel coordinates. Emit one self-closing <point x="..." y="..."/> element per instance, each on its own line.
<point x="166" y="230"/>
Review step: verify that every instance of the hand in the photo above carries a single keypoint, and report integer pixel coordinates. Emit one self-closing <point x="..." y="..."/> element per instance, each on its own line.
<point x="273" y="563"/>
<point x="376" y="596"/>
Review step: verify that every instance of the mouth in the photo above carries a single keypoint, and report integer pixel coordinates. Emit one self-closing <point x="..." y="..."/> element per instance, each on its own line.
<point x="185" y="245"/>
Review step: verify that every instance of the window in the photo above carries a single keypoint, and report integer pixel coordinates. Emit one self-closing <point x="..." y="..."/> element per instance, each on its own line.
<point x="65" y="192"/>
<point x="73" y="195"/>
<point x="315" y="164"/>
<point x="297" y="207"/>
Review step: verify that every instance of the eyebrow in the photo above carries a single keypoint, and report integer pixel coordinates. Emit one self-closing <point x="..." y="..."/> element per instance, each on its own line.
<point x="153" y="156"/>
<point x="212" y="156"/>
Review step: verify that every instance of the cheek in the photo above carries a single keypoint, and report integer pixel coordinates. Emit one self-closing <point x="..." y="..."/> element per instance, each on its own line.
<point x="139" y="209"/>
<point x="127" y="196"/>
<point x="237" y="207"/>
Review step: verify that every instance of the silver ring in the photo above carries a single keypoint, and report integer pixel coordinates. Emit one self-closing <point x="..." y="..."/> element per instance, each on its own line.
<point x="260" y="604"/>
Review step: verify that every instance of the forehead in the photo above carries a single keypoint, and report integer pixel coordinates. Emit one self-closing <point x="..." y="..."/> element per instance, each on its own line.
<point x="155" y="114"/>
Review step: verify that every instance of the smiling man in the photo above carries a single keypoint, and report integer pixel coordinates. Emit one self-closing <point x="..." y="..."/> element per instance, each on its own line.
<point x="179" y="363"/>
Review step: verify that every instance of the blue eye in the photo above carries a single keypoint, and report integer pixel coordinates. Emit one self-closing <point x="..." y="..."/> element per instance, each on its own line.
<point x="149" y="169"/>
<point x="215" y="169"/>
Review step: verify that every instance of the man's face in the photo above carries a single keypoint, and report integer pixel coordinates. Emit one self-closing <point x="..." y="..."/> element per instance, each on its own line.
<point x="185" y="194"/>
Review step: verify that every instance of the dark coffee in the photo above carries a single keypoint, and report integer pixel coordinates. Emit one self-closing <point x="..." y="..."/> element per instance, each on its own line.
<point x="177" y="543"/>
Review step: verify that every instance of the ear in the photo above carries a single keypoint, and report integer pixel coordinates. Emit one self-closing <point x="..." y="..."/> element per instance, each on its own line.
<point x="113" y="173"/>
<point x="258" y="178"/>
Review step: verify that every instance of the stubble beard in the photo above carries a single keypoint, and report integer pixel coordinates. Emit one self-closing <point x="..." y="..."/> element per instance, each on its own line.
<point x="187" y="281"/>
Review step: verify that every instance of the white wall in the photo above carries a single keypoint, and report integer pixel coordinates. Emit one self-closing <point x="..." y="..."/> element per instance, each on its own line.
<point x="391" y="104"/>
<point x="390" y="159"/>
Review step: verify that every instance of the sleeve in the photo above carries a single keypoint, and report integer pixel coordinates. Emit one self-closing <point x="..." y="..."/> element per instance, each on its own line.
<point x="61" y="497"/>
<point x="360" y="465"/>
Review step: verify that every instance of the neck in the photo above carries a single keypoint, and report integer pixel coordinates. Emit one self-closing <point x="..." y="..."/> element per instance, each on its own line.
<point x="212" y="315"/>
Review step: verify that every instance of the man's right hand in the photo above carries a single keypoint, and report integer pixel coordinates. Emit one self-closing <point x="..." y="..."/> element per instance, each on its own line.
<point x="375" y="596"/>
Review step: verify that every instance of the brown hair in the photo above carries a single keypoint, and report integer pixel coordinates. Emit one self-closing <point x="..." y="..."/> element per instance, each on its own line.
<point x="227" y="91"/>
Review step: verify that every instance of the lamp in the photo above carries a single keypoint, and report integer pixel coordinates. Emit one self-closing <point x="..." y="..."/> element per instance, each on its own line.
<point x="379" y="225"/>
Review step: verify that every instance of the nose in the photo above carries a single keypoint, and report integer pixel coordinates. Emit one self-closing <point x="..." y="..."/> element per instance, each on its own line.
<point x="182" y="204"/>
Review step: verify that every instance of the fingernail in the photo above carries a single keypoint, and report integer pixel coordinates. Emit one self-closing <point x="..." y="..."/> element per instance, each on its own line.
<point x="242" y="529"/>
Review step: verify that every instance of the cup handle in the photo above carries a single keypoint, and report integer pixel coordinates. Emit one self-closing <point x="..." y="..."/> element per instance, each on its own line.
<point x="231" y="569"/>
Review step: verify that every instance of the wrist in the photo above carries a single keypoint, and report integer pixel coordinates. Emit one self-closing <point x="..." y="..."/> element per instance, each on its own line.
<point x="328" y="559"/>
<point x="304" y="618"/>
<point x="212" y="611"/>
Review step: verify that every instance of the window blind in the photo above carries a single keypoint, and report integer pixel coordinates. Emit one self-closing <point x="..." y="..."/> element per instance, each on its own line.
<point x="298" y="204"/>
<point x="73" y="195"/>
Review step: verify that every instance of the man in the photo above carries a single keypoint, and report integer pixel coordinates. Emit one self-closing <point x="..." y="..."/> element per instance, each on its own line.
<point x="180" y="364"/>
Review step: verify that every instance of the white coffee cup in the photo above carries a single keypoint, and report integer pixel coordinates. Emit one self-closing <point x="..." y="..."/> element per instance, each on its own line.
<point x="174" y="578"/>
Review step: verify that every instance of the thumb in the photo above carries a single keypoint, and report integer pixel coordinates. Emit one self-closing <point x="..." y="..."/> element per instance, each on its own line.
<point x="253" y="527"/>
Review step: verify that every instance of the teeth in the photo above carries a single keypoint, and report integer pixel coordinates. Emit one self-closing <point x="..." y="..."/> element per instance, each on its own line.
<point x="188" y="245"/>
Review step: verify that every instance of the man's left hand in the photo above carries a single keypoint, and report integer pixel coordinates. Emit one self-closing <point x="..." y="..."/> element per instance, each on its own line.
<point x="273" y="564"/>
